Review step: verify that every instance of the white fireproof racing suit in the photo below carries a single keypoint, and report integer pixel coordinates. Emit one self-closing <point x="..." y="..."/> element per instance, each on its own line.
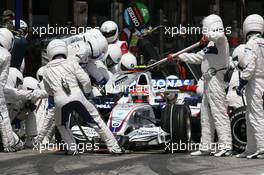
<point x="45" y="120"/>
<point x="16" y="100"/>
<point x="214" y="107"/>
<point x="253" y="72"/>
<point x="8" y="138"/>
<point x="57" y="74"/>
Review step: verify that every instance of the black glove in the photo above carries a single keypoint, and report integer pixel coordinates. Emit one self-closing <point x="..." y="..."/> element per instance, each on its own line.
<point x="240" y="88"/>
<point x="263" y="100"/>
<point x="30" y="106"/>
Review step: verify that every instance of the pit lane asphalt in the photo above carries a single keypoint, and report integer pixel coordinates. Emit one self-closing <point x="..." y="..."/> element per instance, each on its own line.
<point x="29" y="162"/>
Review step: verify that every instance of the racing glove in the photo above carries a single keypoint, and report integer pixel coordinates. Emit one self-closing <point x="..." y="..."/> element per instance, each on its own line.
<point x="87" y="95"/>
<point x="204" y="41"/>
<point x="102" y="82"/>
<point x="38" y="94"/>
<point x="241" y="87"/>
<point x="170" y="58"/>
<point x="30" y="106"/>
<point x="51" y="102"/>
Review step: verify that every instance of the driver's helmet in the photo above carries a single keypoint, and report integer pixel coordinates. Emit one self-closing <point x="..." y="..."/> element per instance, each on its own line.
<point x="140" y="95"/>
<point x="171" y="95"/>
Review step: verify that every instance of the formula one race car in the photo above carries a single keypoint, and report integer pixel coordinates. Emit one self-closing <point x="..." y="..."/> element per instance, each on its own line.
<point x="150" y="112"/>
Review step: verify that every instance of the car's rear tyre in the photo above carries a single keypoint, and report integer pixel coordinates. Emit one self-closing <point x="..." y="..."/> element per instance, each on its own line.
<point x="238" y="129"/>
<point x="176" y="120"/>
<point x="196" y="128"/>
<point x="165" y="119"/>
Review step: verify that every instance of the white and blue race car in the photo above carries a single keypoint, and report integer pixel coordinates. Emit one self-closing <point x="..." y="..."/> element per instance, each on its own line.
<point x="149" y="112"/>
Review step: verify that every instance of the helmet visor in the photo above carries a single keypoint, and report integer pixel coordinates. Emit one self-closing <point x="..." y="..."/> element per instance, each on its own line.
<point x="110" y="33"/>
<point x="109" y="62"/>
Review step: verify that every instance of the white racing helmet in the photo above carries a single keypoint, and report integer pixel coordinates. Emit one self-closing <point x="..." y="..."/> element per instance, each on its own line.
<point x="39" y="74"/>
<point x="239" y="52"/>
<point x="15" y="78"/>
<point x="30" y="83"/>
<point x="253" y="23"/>
<point x="110" y="30"/>
<point x="112" y="56"/>
<point x="56" y="47"/>
<point x="97" y="43"/>
<point x="81" y="51"/>
<point x="211" y="23"/>
<point x="128" y="62"/>
<point x="84" y="52"/>
<point x="6" y="39"/>
<point x="238" y="56"/>
<point x="40" y="77"/>
<point x="23" y="27"/>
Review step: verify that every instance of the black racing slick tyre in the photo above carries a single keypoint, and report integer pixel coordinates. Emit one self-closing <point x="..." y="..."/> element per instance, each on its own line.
<point x="165" y="119"/>
<point x="238" y="129"/>
<point x="176" y="120"/>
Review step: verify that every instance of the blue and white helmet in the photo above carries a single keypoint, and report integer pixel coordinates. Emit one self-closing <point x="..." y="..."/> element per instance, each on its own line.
<point x="23" y="27"/>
